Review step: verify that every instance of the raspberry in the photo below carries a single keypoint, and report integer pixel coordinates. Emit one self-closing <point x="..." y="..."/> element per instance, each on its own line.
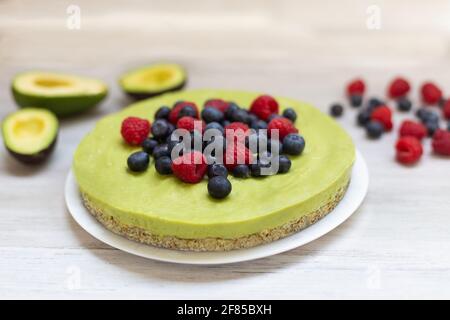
<point x="218" y="104"/>
<point x="446" y="110"/>
<point x="173" y="116"/>
<point x="409" y="150"/>
<point x="190" y="167"/>
<point x="237" y="153"/>
<point x="441" y="142"/>
<point x="356" y="86"/>
<point x="135" y="130"/>
<point x="383" y="115"/>
<point x="398" y="88"/>
<point x="237" y="130"/>
<point x="414" y="129"/>
<point x="431" y="94"/>
<point x="190" y="124"/>
<point x="237" y="126"/>
<point x="283" y="125"/>
<point x="264" y="106"/>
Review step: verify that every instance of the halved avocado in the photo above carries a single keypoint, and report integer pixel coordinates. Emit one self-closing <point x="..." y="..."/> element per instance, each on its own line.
<point x="30" y="134"/>
<point x="153" y="80"/>
<point x="63" y="94"/>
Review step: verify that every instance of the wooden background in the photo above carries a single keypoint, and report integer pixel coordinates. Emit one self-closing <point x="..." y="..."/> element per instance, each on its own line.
<point x="396" y="246"/>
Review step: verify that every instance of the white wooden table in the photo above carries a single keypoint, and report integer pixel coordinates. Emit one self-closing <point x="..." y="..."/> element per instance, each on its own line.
<point x="397" y="245"/>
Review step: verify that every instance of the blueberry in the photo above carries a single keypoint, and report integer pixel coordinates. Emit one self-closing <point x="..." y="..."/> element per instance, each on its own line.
<point x="171" y="129"/>
<point x="336" y="110"/>
<point x="240" y="115"/>
<point x="187" y="111"/>
<point x="404" y="104"/>
<point x="374" y="103"/>
<point x="290" y="114"/>
<point x="162" y="113"/>
<point x="374" y="129"/>
<point x="274" y="146"/>
<point x="284" y="164"/>
<point x="356" y="100"/>
<point x="161" y="151"/>
<point x="363" y="117"/>
<point x="252" y="117"/>
<point x="219" y="187"/>
<point x="160" y="129"/>
<point x="225" y="123"/>
<point x="273" y="116"/>
<point x="163" y="165"/>
<point x="253" y="141"/>
<point x="265" y="158"/>
<point x="215" y="125"/>
<point x="258" y="124"/>
<point x="230" y="110"/>
<point x="212" y="115"/>
<point x="427" y="115"/>
<point x="255" y="168"/>
<point x="149" y="144"/>
<point x="421" y="113"/>
<point x="217" y="170"/>
<point x="241" y="171"/>
<point x="293" y="144"/>
<point x="431" y="126"/>
<point x="138" y="161"/>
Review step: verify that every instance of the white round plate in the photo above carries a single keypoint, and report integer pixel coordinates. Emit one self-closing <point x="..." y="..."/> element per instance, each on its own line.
<point x="353" y="198"/>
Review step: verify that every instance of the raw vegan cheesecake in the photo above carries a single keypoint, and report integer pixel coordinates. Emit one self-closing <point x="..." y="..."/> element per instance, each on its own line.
<point x="164" y="211"/>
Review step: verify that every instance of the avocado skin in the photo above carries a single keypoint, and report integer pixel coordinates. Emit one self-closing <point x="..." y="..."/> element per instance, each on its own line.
<point x="60" y="106"/>
<point x="37" y="158"/>
<point x="144" y="95"/>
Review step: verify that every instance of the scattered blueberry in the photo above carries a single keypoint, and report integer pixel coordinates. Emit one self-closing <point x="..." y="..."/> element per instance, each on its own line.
<point x="138" y="161"/>
<point x="274" y="146"/>
<point x="187" y="111"/>
<point x="336" y="110"/>
<point x="255" y="168"/>
<point x="160" y="129"/>
<point x="215" y="125"/>
<point x="163" y="165"/>
<point x="161" y="151"/>
<point x="404" y="104"/>
<point x="217" y="170"/>
<point x="374" y="129"/>
<point x="363" y="117"/>
<point x="374" y="103"/>
<point x="212" y="115"/>
<point x="284" y="164"/>
<point x="219" y="187"/>
<point x="356" y="100"/>
<point x="252" y="117"/>
<point x="293" y="144"/>
<point x="240" y="115"/>
<point x="162" y="113"/>
<point x="273" y="116"/>
<point x="290" y="114"/>
<point x="241" y="171"/>
<point x="149" y="144"/>
<point x="258" y="124"/>
<point x="230" y="110"/>
<point x="431" y="126"/>
<point x="225" y="123"/>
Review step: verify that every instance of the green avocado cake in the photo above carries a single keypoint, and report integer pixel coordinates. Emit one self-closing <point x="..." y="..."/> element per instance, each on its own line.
<point x="161" y="210"/>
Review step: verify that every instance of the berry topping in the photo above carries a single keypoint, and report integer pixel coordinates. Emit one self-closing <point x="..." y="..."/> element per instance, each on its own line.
<point x="212" y="115"/>
<point x="404" y="104"/>
<point x="235" y="154"/>
<point x="374" y="129"/>
<point x="414" y="129"/>
<point x="190" y="167"/>
<point x="241" y="171"/>
<point x="398" y="88"/>
<point x="431" y="94"/>
<point x="363" y="117"/>
<point x="441" y="142"/>
<point x="290" y="114"/>
<point x="161" y="150"/>
<point x="336" y="110"/>
<point x="293" y="144"/>
<point x="162" y="113"/>
<point x="284" y="164"/>
<point x="283" y="125"/>
<point x="160" y="129"/>
<point x="409" y="150"/>
<point x="356" y="100"/>
<point x="163" y="165"/>
<point x="190" y="124"/>
<point x="219" y="187"/>
<point x="138" y="161"/>
<point x="217" y="104"/>
<point x="135" y="130"/>
<point x="356" y="86"/>
<point x="263" y="106"/>
<point x="174" y="114"/>
<point x="217" y="170"/>
<point x="383" y="115"/>
<point x="149" y="144"/>
<point x="446" y="110"/>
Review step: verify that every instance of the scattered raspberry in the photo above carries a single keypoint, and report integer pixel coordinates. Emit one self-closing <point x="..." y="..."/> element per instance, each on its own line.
<point x="173" y="116"/>
<point x="283" y="125"/>
<point x="446" y="109"/>
<point x="190" y="167"/>
<point x="237" y="126"/>
<point x="237" y="153"/>
<point x="398" y="88"/>
<point x="441" y="142"/>
<point x="135" y="130"/>
<point x="409" y="150"/>
<point x="357" y="87"/>
<point x="383" y="115"/>
<point x="414" y="129"/>
<point x="190" y="124"/>
<point x="264" y="106"/>
<point x="239" y="131"/>
<point x="431" y="94"/>
<point x="218" y="104"/>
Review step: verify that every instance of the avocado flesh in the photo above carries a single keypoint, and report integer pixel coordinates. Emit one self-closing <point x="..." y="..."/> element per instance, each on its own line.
<point x="60" y="93"/>
<point x="166" y="206"/>
<point x="153" y="80"/>
<point x="30" y="134"/>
